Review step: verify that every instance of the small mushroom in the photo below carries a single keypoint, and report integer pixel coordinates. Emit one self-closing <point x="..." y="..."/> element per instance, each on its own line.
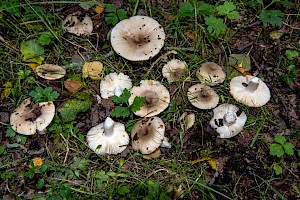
<point x="228" y="120"/>
<point x="29" y="118"/>
<point x="211" y="73"/>
<point x="137" y="38"/>
<point x="202" y="96"/>
<point x="114" y="84"/>
<point x="148" y="134"/>
<point x="108" y="137"/>
<point x="249" y="90"/>
<point x="174" y="70"/>
<point x="50" y="71"/>
<point x="157" y="98"/>
<point x="78" y="24"/>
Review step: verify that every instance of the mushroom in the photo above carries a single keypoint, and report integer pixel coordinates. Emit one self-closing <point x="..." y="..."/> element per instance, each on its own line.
<point x="137" y="38"/>
<point x="78" y="24"/>
<point x="114" y="84"/>
<point x="157" y="98"/>
<point x="174" y="70"/>
<point x="50" y="71"/>
<point x="147" y="135"/>
<point x="249" y="90"/>
<point x="211" y="73"/>
<point x="108" y="137"/>
<point x="29" y="118"/>
<point x="228" y="120"/>
<point x="202" y="96"/>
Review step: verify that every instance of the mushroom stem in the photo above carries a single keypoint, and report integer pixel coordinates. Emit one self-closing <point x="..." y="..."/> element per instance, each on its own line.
<point x="253" y="84"/>
<point x="118" y="91"/>
<point x="230" y="118"/>
<point x="108" y="127"/>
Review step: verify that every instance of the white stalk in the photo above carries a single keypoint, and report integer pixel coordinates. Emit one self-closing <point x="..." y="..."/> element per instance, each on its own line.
<point x="108" y="127"/>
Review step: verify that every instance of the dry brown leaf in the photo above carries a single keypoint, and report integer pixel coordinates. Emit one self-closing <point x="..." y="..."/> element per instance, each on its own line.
<point x="154" y="154"/>
<point x="241" y="70"/>
<point x="72" y="85"/>
<point x="190" y="34"/>
<point x="99" y="9"/>
<point x="32" y="65"/>
<point x="92" y="70"/>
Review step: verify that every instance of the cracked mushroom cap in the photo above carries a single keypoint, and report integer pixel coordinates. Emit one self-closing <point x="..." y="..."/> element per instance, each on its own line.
<point x="202" y="96"/>
<point x="249" y="90"/>
<point x="174" y="70"/>
<point x="211" y="73"/>
<point x="137" y="38"/>
<point x="78" y="24"/>
<point x="114" y="84"/>
<point x="157" y="98"/>
<point x="147" y="135"/>
<point x="108" y="137"/>
<point x="29" y="118"/>
<point x="228" y="120"/>
<point x="50" y="71"/>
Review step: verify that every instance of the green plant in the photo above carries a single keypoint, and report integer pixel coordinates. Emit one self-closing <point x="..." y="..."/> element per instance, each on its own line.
<point x="291" y="54"/>
<point x="113" y="14"/>
<point x="32" y="51"/>
<point x="228" y="9"/>
<point x="124" y="111"/>
<point x="43" y="95"/>
<point x="215" y="26"/>
<point x="277" y="168"/>
<point x="281" y="146"/>
<point x="10" y="133"/>
<point x="292" y="70"/>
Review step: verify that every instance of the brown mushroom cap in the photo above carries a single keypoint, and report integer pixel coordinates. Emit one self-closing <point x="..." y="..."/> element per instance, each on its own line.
<point x="78" y="25"/>
<point x="202" y="96"/>
<point x="50" y="71"/>
<point x="148" y="134"/>
<point x="174" y="70"/>
<point x="211" y="73"/>
<point x="137" y="38"/>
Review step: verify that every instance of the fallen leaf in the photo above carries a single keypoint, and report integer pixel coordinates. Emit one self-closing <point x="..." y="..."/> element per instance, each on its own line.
<point x="154" y="154"/>
<point x="241" y="62"/>
<point x="92" y="70"/>
<point x="190" y="34"/>
<point x="32" y="65"/>
<point x="211" y="161"/>
<point x="72" y="85"/>
<point x="99" y="9"/>
<point x="275" y="35"/>
<point x="7" y="90"/>
<point x="37" y="162"/>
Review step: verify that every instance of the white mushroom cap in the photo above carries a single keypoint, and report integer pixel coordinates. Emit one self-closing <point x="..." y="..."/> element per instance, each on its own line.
<point x="78" y="25"/>
<point x="202" y="96"/>
<point x="114" y="84"/>
<point x="157" y="98"/>
<point x="148" y="134"/>
<point x="28" y="118"/>
<point x="50" y="71"/>
<point x="137" y="38"/>
<point x="228" y="120"/>
<point x="211" y="73"/>
<point x="108" y="137"/>
<point x="249" y="90"/>
<point x="174" y="70"/>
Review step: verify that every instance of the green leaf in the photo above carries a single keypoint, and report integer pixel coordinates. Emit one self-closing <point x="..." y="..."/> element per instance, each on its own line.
<point x="111" y="18"/>
<point x="45" y="38"/>
<point x="215" y="25"/>
<point x="242" y="60"/>
<point x="226" y="8"/>
<point x="137" y="103"/>
<point x="30" y="174"/>
<point x="43" y="95"/>
<point x="299" y="153"/>
<point x="45" y="166"/>
<point x="101" y="176"/>
<point x="10" y="132"/>
<point x="12" y="7"/>
<point x="288" y="148"/>
<point x="2" y="149"/>
<point x="186" y="10"/>
<point x="273" y="17"/>
<point x="280" y="139"/>
<point x="276" y="150"/>
<point x="205" y="8"/>
<point x="291" y="54"/>
<point x="32" y="51"/>
<point x="110" y="8"/>
<point x="80" y="163"/>
<point x="123" y="189"/>
<point x="233" y="15"/>
<point x="122" y="14"/>
<point x="120" y="112"/>
<point x="123" y="98"/>
<point x="277" y="168"/>
<point x="41" y="184"/>
<point x="21" y="139"/>
<point x="112" y="174"/>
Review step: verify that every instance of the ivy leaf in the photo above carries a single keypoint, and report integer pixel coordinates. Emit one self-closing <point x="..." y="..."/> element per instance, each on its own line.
<point x="123" y="98"/>
<point x="228" y="9"/>
<point x="288" y="148"/>
<point x="280" y="139"/>
<point x="121" y="112"/>
<point x="32" y="51"/>
<point x="273" y="17"/>
<point x="137" y="103"/>
<point x="111" y="18"/>
<point x="276" y="150"/>
<point x="43" y="95"/>
<point x="122" y="14"/>
<point x="110" y="8"/>
<point x="215" y="25"/>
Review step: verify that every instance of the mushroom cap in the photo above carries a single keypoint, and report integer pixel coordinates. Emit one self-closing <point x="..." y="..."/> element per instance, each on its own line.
<point x="228" y="120"/>
<point x="157" y="98"/>
<point x="147" y="135"/>
<point x="202" y="96"/>
<point x="112" y="83"/>
<point x="211" y="73"/>
<point x="102" y="143"/>
<point x="249" y="90"/>
<point x="174" y="70"/>
<point x="50" y="71"/>
<point x="78" y="25"/>
<point x="137" y="38"/>
<point x="28" y="118"/>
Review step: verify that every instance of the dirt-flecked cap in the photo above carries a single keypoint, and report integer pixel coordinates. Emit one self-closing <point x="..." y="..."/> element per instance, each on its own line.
<point x="174" y="70"/>
<point x="211" y="73"/>
<point x="77" y="24"/>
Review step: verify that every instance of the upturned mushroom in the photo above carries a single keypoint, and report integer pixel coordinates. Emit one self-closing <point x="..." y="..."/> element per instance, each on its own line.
<point x="157" y="98"/>
<point x="174" y="70"/>
<point x="78" y="24"/>
<point x="29" y="118"/>
<point x="211" y="73"/>
<point x="50" y="71"/>
<point x="202" y="96"/>
<point x="137" y="38"/>
<point x="228" y="120"/>
<point x="114" y="84"/>
<point x="148" y="134"/>
<point x="249" y="90"/>
<point x="108" y="137"/>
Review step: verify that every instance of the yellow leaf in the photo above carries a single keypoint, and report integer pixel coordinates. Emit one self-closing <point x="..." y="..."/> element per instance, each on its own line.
<point x="32" y="65"/>
<point x="37" y="162"/>
<point x="154" y="154"/>
<point x="200" y="160"/>
<point x="99" y="9"/>
<point x="92" y="70"/>
<point x="213" y="163"/>
<point x="7" y="90"/>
